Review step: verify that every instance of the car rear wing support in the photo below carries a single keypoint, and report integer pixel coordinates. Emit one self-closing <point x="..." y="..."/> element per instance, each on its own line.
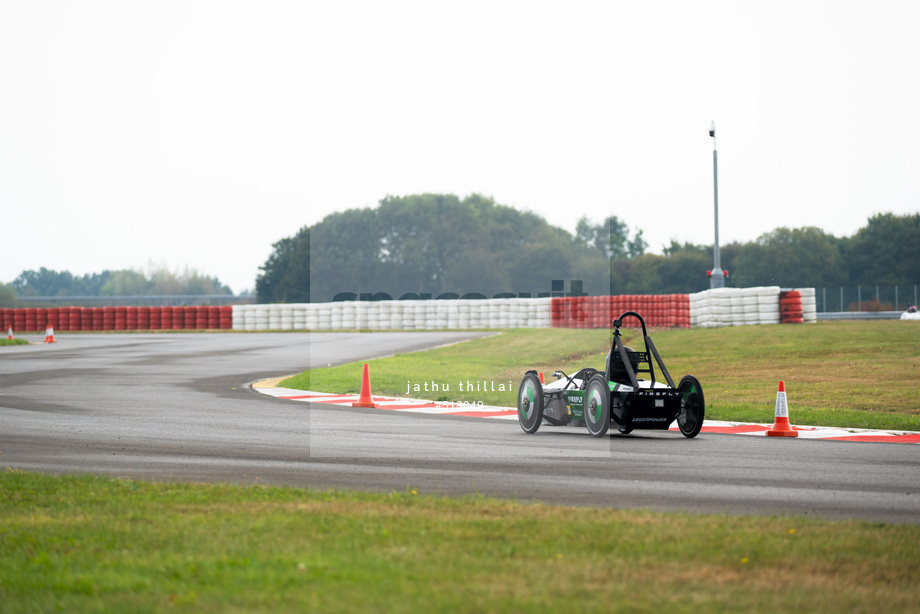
<point x="617" y="348"/>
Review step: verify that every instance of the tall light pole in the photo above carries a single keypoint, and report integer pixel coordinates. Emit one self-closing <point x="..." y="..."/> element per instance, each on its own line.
<point x="716" y="275"/>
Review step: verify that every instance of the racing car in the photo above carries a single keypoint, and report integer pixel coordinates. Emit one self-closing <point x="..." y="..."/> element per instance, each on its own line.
<point x="615" y="396"/>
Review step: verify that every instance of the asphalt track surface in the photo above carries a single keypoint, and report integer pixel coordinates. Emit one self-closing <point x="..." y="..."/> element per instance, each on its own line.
<point x="180" y="407"/>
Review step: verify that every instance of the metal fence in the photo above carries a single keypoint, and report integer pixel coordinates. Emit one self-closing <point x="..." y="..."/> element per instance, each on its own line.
<point x="866" y="298"/>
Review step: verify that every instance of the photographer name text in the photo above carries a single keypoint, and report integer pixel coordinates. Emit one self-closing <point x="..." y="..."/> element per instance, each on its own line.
<point x="467" y="386"/>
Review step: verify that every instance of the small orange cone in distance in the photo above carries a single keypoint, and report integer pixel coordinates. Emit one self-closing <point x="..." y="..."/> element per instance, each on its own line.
<point x="9" y="333"/>
<point x="365" y="399"/>
<point x="49" y="334"/>
<point x="781" y="426"/>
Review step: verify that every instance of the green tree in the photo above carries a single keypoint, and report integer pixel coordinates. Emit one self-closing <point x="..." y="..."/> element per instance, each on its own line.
<point x="616" y="234"/>
<point x="424" y="234"/>
<point x="636" y="246"/>
<point x="126" y="283"/>
<point x="285" y="276"/>
<point x="611" y="238"/>
<point x="438" y="243"/>
<point x="345" y="254"/>
<point x="43" y="282"/>
<point x="90" y="284"/>
<point x="196" y="282"/>
<point x="161" y="281"/>
<point x="682" y="269"/>
<point x="885" y="251"/>
<point x="480" y="272"/>
<point x="165" y="282"/>
<point x="799" y="257"/>
<point x="7" y="295"/>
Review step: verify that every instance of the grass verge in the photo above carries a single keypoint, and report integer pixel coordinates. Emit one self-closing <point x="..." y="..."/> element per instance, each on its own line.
<point x="14" y="341"/>
<point x="844" y="374"/>
<point x="96" y="544"/>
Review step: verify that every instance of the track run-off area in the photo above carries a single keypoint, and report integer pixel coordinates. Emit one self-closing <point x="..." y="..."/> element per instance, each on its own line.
<point x="191" y="407"/>
<point x="445" y="408"/>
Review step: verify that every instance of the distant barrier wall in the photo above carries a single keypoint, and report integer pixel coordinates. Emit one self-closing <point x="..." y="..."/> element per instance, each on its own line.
<point x="708" y="309"/>
<point x="397" y="315"/>
<point x="32" y="319"/>
<point x="740" y="306"/>
<point x="665" y="310"/>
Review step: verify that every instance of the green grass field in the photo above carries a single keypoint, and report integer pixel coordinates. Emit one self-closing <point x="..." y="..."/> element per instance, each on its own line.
<point x="95" y="544"/>
<point x="14" y="341"/>
<point x="845" y="374"/>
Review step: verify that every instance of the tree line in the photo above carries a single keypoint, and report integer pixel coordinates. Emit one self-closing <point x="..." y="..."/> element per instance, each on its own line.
<point x="158" y="282"/>
<point x="431" y="245"/>
<point x="434" y="245"/>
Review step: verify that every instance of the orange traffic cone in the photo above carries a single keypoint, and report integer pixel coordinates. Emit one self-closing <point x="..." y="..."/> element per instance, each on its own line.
<point x="9" y="333"/>
<point x="365" y="400"/>
<point x="781" y="426"/>
<point x="49" y="334"/>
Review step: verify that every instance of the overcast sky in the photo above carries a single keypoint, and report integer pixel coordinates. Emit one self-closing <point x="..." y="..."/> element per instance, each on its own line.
<point x="197" y="133"/>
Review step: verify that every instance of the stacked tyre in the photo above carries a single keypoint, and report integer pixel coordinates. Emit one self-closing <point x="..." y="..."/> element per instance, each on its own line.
<point x="166" y="318"/>
<point x="75" y="318"/>
<point x="156" y="318"/>
<point x="790" y="307"/>
<point x="178" y="318"/>
<point x="121" y="318"/>
<point x="143" y="318"/>
<point x="201" y="317"/>
<point x="86" y="318"/>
